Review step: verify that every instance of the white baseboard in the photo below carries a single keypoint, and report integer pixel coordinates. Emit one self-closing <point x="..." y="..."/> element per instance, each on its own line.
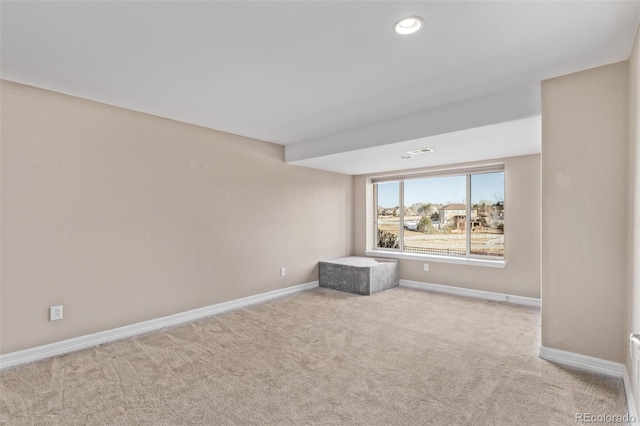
<point x="583" y="362"/>
<point x="478" y="294"/>
<point x="522" y="300"/>
<point x="82" y="342"/>
<point x="595" y="365"/>
<point x="631" y="402"/>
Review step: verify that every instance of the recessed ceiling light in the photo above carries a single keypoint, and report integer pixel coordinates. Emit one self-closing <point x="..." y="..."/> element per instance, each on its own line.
<point x="420" y="151"/>
<point x="405" y="157"/>
<point x="409" y="25"/>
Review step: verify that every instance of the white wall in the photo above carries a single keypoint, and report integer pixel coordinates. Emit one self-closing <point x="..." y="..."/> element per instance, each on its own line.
<point x="123" y="217"/>
<point x="584" y="211"/>
<point x="633" y="294"/>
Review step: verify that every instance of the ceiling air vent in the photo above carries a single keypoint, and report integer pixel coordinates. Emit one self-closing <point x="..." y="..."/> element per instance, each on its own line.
<point x="419" y="151"/>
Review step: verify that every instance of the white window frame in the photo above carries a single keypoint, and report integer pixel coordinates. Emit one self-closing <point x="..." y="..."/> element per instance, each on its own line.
<point x="468" y="259"/>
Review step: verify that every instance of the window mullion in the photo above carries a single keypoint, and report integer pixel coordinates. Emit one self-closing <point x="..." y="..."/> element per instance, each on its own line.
<point x="468" y="216"/>
<point x="375" y="216"/>
<point x="401" y="216"/>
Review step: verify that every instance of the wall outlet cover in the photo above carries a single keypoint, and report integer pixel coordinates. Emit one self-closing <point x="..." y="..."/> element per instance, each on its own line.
<point x="55" y="313"/>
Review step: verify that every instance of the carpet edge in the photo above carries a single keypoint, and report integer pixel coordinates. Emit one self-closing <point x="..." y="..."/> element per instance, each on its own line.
<point x="82" y="342"/>
<point x="594" y="365"/>
<point x="478" y="294"/>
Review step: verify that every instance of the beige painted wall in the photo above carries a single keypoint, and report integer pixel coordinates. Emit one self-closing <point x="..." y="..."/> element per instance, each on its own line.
<point x="584" y="199"/>
<point x="633" y="295"/>
<point x="520" y="277"/>
<point x="123" y="217"/>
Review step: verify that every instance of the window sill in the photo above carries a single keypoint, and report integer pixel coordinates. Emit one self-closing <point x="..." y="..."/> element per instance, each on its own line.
<point x="438" y="259"/>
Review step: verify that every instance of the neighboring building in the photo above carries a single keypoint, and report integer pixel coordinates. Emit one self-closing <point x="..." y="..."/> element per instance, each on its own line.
<point x="455" y="215"/>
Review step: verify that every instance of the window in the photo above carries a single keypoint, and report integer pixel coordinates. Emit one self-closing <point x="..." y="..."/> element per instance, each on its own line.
<point x="458" y="214"/>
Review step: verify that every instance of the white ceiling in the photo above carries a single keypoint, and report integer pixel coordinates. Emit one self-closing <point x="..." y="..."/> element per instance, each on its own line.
<point x="519" y="137"/>
<point x="330" y="80"/>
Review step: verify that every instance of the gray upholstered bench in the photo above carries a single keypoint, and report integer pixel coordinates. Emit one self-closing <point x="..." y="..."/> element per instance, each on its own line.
<point x="359" y="275"/>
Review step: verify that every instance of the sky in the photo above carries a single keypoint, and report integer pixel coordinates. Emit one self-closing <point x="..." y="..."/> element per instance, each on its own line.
<point x="443" y="190"/>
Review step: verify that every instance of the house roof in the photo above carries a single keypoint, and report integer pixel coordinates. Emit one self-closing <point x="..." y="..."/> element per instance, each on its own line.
<point x="454" y="207"/>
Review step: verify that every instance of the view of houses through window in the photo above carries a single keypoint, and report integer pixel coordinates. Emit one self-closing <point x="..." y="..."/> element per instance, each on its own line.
<point x="438" y="212"/>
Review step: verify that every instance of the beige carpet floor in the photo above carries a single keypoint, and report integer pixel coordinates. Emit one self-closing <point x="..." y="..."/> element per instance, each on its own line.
<point x="322" y="357"/>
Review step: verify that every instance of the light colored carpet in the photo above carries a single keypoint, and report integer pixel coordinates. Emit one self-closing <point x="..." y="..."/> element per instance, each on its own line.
<point x="322" y="357"/>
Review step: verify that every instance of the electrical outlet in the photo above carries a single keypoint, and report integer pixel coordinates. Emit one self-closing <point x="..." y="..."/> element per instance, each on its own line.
<point x="283" y="272"/>
<point x="55" y="313"/>
<point x="426" y="267"/>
